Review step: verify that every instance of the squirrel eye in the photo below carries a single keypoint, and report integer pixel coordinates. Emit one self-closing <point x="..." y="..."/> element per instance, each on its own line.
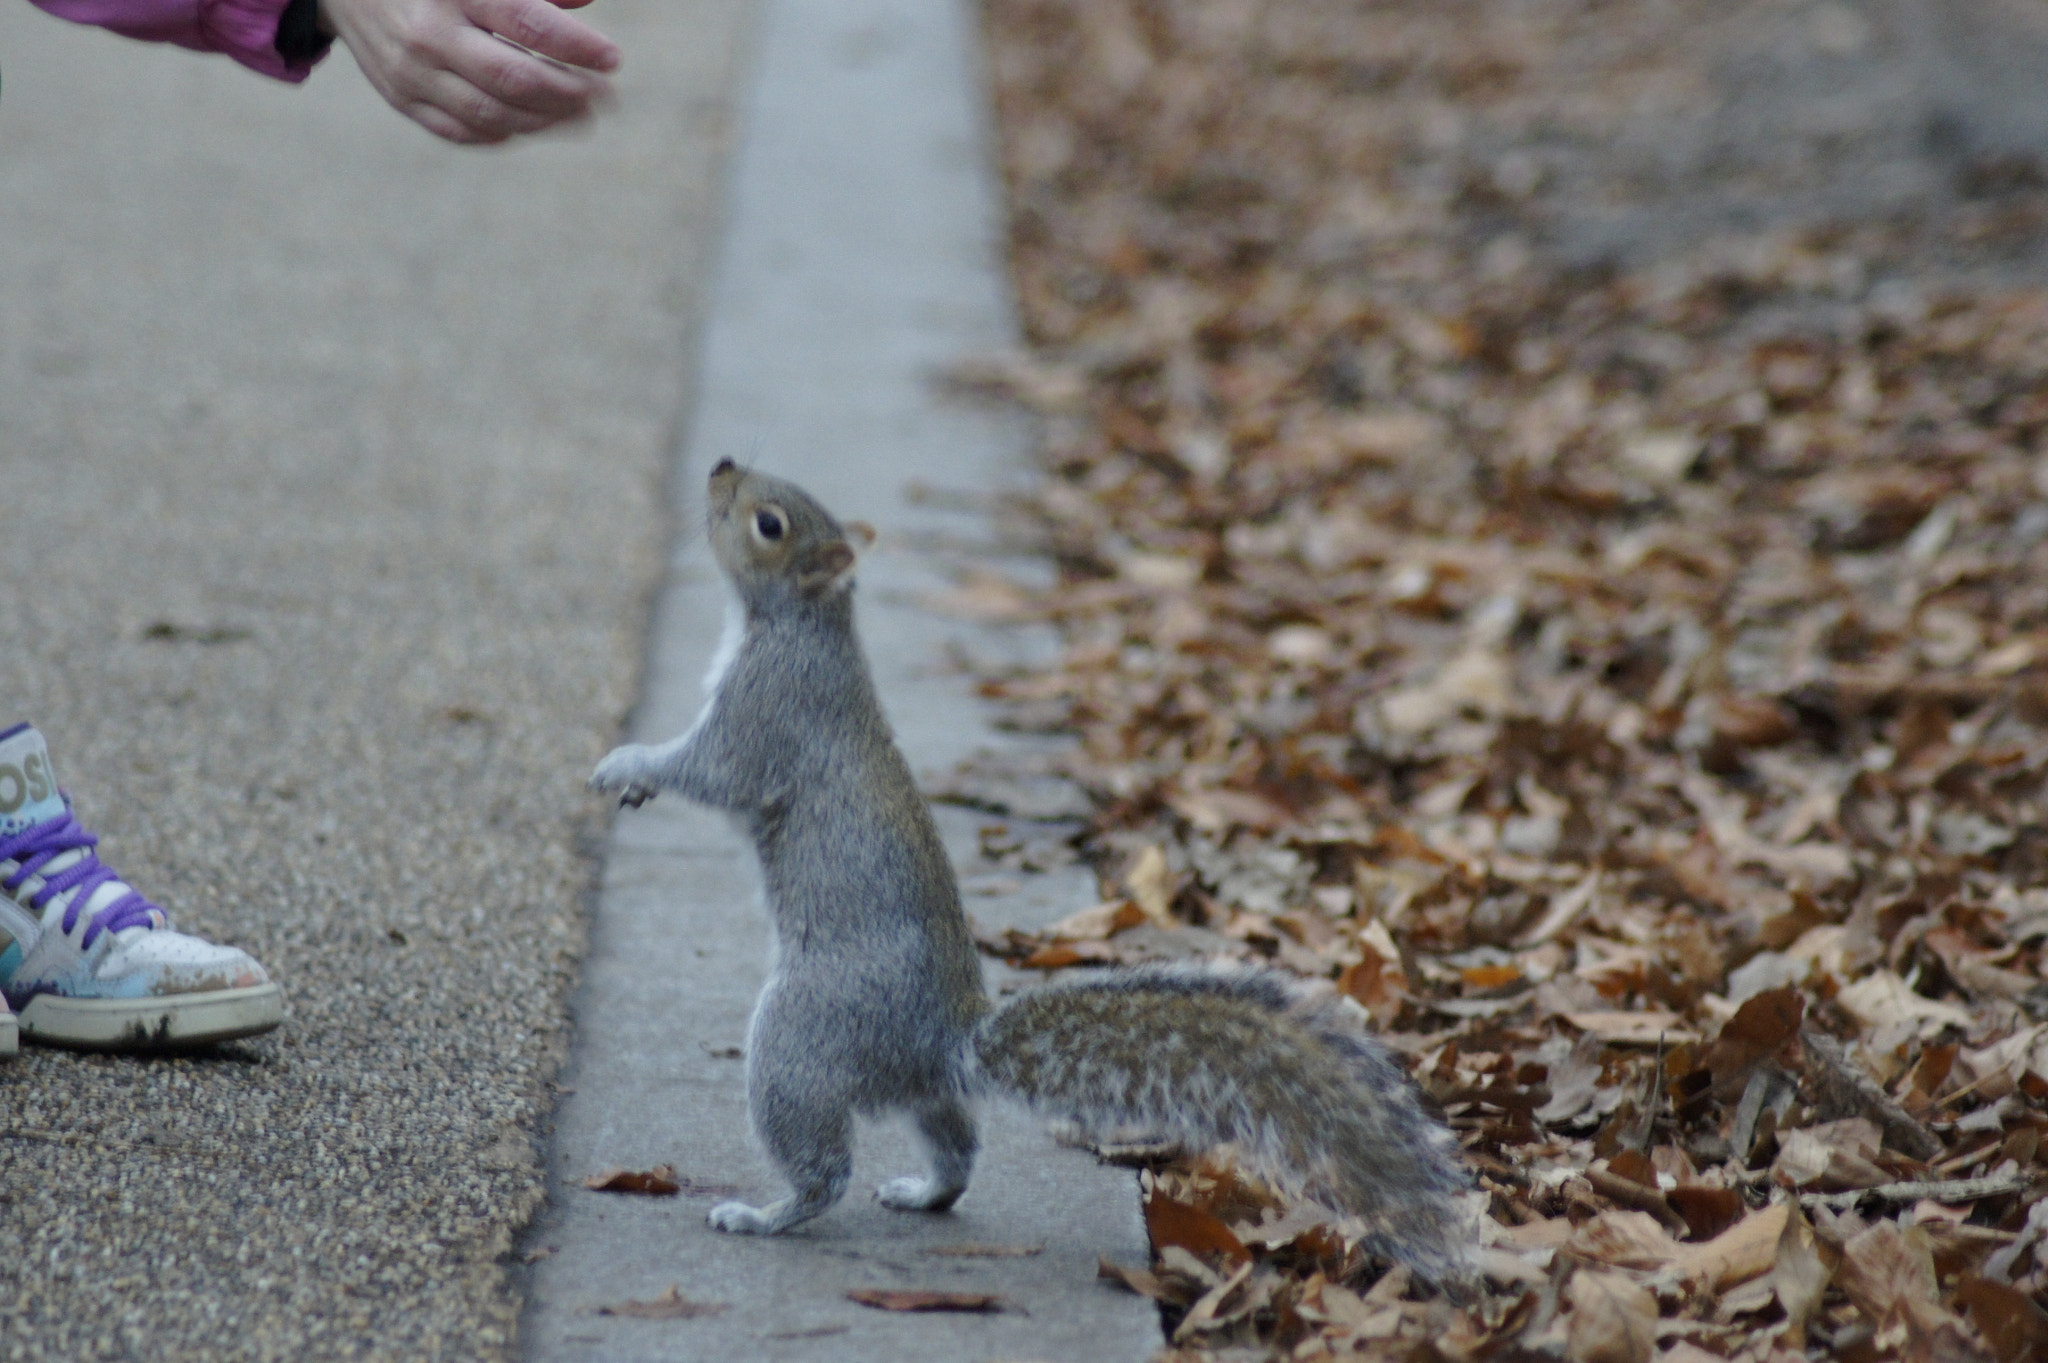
<point x="767" y="524"/>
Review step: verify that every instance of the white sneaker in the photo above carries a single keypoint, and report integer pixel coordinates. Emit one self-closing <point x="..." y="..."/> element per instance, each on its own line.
<point x="89" y="961"/>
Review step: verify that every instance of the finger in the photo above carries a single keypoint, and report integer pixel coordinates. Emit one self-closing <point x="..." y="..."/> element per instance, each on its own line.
<point x="438" y="123"/>
<point x="518" y="78"/>
<point x="481" y="116"/>
<point x="541" y="27"/>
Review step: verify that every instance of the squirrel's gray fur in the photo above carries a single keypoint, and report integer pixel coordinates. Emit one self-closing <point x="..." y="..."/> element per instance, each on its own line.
<point x="875" y="1002"/>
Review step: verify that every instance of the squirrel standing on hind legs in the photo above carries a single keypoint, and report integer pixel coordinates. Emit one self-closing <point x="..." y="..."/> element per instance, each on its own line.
<point x="874" y="1002"/>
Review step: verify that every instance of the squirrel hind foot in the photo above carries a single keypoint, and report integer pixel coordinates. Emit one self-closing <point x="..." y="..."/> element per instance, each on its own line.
<point x="737" y="1218"/>
<point x="918" y="1195"/>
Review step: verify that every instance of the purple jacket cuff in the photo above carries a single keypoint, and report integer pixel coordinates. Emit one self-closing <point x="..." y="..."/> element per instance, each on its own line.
<point x="243" y="29"/>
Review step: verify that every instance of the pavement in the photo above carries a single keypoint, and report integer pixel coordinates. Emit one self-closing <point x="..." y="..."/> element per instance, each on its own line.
<point x="859" y="260"/>
<point x="344" y="467"/>
<point x="335" y="463"/>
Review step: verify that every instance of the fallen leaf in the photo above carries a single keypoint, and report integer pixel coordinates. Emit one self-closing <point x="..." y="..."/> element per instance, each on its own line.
<point x="1624" y="1239"/>
<point x="660" y="1181"/>
<point x="890" y="1299"/>
<point x="1761" y="1029"/>
<point x="1097" y="923"/>
<point x="1138" y="1280"/>
<point x="1209" y="1310"/>
<point x="670" y="1305"/>
<point x="1477" y="681"/>
<point x="1882" y="999"/>
<point x="1634" y="1029"/>
<point x="1707" y="1211"/>
<point x="1832" y="1156"/>
<point x="1886" y="1266"/>
<point x="1171" y="1222"/>
<point x="2008" y="1318"/>
<point x="1150" y="883"/>
<point x="1800" y="1276"/>
<point x="1746" y="1250"/>
<point x="1613" y="1319"/>
<point x="1563" y="911"/>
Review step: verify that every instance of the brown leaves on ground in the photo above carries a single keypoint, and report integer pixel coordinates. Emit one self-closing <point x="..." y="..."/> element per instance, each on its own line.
<point x="1629" y="682"/>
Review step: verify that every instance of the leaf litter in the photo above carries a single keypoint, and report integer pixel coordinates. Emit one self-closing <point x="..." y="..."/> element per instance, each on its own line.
<point x="1621" y="668"/>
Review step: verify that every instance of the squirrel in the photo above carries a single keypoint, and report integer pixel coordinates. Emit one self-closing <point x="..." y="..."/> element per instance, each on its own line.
<point x="875" y="1003"/>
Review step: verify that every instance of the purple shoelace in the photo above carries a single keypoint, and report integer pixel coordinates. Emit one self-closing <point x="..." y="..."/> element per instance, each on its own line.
<point x="39" y="845"/>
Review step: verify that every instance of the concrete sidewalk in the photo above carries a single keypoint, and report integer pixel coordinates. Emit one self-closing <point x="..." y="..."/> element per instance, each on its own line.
<point x="859" y="259"/>
<point x="333" y="462"/>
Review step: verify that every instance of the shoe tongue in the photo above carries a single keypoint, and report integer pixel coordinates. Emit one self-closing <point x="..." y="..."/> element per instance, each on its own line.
<point x="28" y="785"/>
<point x="29" y="796"/>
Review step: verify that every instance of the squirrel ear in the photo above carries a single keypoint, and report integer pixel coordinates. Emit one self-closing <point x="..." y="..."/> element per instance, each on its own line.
<point x="862" y="532"/>
<point x="830" y="566"/>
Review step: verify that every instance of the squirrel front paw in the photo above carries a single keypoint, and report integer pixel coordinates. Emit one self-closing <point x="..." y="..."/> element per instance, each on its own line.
<point x="629" y="771"/>
<point x="738" y="1218"/>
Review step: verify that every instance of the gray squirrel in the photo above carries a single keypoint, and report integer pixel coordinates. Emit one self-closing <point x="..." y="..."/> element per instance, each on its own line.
<point x="874" y="1002"/>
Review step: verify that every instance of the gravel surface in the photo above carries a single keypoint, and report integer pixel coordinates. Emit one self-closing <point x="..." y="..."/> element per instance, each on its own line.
<point x="336" y="461"/>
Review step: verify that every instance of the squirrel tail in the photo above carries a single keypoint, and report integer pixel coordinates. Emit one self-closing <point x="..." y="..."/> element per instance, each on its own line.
<point x="1208" y="1055"/>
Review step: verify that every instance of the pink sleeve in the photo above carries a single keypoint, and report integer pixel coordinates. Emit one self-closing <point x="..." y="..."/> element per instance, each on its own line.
<point x="243" y="29"/>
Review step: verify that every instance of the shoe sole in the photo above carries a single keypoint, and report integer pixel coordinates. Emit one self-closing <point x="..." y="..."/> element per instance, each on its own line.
<point x="152" y="1023"/>
<point x="10" y="1034"/>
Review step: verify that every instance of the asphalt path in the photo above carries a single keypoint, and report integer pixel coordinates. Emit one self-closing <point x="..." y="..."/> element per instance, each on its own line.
<point x="334" y="464"/>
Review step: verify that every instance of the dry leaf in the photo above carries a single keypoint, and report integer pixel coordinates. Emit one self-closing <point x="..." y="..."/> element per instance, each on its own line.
<point x="1613" y="1319"/>
<point x="891" y="1299"/>
<point x="1136" y="1279"/>
<point x="1170" y="1222"/>
<point x="1805" y="1266"/>
<point x="1634" y="1029"/>
<point x="1831" y="1157"/>
<point x="1151" y="885"/>
<point x="1706" y="1211"/>
<point x="1761" y="1029"/>
<point x="660" y="1181"/>
<point x="1097" y="923"/>
<point x="670" y="1305"/>
<point x="1746" y="1250"/>
<point x="1887" y="1267"/>
<point x="2008" y="1319"/>
<point x="1882" y="999"/>
<point x="1625" y="1239"/>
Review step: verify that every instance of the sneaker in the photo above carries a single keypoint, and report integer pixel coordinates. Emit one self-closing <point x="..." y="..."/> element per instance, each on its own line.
<point x="89" y="961"/>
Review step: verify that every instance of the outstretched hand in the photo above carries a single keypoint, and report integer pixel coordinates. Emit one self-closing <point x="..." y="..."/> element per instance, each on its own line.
<point x="477" y="71"/>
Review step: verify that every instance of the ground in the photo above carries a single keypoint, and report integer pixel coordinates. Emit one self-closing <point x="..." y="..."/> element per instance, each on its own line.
<point x="1549" y="498"/>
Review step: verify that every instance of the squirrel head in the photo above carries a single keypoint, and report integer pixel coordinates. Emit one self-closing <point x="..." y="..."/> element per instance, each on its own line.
<point x="773" y="538"/>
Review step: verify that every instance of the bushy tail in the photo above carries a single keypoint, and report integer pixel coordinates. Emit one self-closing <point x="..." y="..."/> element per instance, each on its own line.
<point x="1210" y="1054"/>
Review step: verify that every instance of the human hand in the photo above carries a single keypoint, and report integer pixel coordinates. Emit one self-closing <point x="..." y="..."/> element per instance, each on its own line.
<point x="476" y="71"/>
